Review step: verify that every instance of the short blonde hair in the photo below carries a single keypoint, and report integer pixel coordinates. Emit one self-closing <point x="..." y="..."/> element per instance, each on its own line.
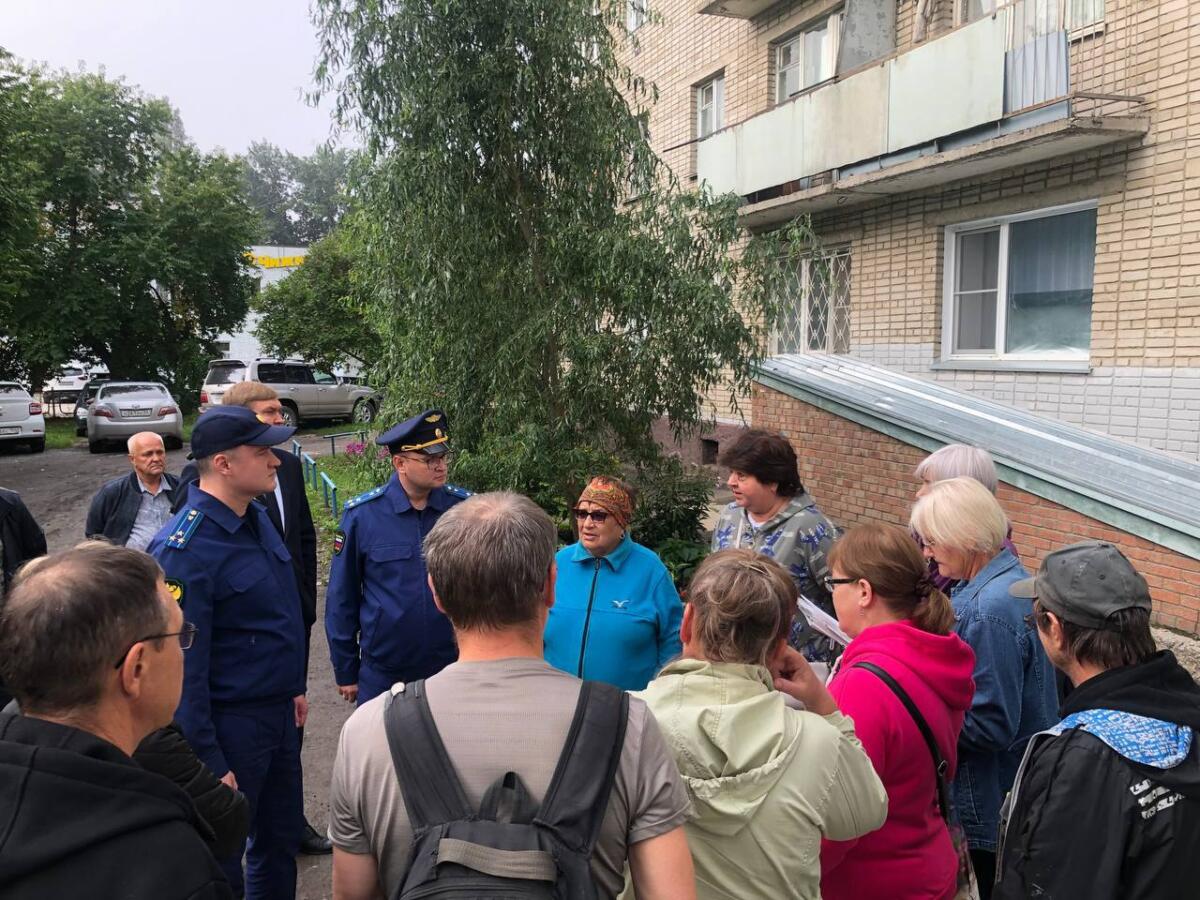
<point x="744" y="603"/>
<point x="962" y="514"/>
<point x="954" y="460"/>
<point x="245" y="392"/>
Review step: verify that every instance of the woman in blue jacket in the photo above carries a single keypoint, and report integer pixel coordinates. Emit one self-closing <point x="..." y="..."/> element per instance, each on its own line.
<point x="963" y="530"/>
<point x="616" y="612"/>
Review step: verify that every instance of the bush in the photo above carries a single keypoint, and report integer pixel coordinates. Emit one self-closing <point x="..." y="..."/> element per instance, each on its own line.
<point x="528" y="462"/>
<point x="673" y="500"/>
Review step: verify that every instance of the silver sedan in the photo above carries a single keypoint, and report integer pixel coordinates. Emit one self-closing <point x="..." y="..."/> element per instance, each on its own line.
<point x="123" y="408"/>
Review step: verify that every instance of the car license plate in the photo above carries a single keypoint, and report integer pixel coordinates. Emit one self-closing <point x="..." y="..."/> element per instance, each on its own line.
<point x="10" y="430"/>
<point x="136" y="411"/>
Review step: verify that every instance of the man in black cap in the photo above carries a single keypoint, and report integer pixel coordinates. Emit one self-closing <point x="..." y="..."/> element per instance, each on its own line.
<point x="380" y="617"/>
<point x="229" y="569"/>
<point x="1106" y="803"/>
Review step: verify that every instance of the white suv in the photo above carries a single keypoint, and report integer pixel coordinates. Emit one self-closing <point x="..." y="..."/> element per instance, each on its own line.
<point x="21" y="419"/>
<point x="305" y="392"/>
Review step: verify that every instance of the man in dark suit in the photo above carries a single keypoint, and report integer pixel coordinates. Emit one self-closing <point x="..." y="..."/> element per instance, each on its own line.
<point x="287" y="508"/>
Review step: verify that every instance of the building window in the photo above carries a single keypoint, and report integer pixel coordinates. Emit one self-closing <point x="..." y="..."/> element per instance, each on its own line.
<point x="710" y="106"/>
<point x="807" y="57"/>
<point x="815" y="314"/>
<point x="222" y="347"/>
<point x="1020" y="287"/>
<point x="1084" y="13"/>
<point x="970" y="10"/>
<point x="635" y="14"/>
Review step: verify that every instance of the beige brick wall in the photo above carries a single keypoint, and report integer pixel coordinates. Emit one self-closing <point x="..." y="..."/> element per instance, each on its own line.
<point x="1146" y="309"/>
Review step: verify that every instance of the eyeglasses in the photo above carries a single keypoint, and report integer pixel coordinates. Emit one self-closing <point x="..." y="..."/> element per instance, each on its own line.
<point x="598" y="516"/>
<point x="186" y="636"/>
<point x="829" y="581"/>
<point x="431" y="462"/>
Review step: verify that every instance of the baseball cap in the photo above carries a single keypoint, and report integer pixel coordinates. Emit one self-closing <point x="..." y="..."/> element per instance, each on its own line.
<point x="226" y="427"/>
<point x="1085" y="584"/>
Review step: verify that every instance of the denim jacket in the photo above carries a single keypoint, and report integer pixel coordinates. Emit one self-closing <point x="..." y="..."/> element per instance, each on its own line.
<point x="1014" y="699"/>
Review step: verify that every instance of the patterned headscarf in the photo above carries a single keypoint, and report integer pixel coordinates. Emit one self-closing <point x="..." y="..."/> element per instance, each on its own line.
<point x="611" y="497"/>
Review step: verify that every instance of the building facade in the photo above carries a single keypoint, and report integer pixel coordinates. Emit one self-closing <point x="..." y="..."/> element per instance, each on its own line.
<point x="271" y="264"/>
<point x="1007" y="195"/>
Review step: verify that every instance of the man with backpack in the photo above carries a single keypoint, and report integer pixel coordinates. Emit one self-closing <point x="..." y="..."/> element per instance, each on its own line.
<point x="500" y="775"/>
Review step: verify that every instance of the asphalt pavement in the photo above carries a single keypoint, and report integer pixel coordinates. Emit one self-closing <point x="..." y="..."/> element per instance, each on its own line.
<point x="58" y="485"/>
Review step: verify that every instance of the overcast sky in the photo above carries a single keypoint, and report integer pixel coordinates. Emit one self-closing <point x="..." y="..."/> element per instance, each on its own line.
<point x="235" y="69"/>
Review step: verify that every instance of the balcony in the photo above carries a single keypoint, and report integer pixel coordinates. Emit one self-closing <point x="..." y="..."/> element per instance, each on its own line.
<point x="991" y="95"/>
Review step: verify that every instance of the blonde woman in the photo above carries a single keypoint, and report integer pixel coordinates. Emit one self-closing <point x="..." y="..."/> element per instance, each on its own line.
<point x="962" y="529"/>
<point x="952" y="461"/>
<point x="766" y="781"/>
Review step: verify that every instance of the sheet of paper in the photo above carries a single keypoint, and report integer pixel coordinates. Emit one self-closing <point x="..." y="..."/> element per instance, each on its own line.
<point x="821" y="622"/>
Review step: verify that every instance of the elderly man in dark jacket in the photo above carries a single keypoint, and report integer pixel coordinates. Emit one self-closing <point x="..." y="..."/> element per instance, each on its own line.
<point x="131" y="509"/>
<point x="1106" y="805"/>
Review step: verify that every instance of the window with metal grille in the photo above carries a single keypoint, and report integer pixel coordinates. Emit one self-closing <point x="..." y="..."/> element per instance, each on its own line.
<point x="710" y="103"/>
<point x="807" y="57"/>
<point x="815" y="317"/>
<point x="635" y="14"/>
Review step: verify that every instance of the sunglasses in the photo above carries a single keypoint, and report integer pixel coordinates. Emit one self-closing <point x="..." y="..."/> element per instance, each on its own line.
<point x="598" y="516"/>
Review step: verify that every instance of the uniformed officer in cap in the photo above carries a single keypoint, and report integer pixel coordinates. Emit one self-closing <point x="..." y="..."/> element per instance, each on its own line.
<point x="379" y="614"/>
<point x="229" y="569"/>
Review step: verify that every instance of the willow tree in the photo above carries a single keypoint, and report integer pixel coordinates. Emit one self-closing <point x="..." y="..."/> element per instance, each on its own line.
<point x="535" y="268"/>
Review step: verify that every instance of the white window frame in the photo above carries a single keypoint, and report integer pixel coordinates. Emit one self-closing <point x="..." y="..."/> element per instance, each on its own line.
<point x="717" y="105"/>
<point x="635" y="14"/>
<point x="960" y="11"/>
<point x="1096" y="22"/>
<point x="833" y="22"/>
<point x="998" y="356"/>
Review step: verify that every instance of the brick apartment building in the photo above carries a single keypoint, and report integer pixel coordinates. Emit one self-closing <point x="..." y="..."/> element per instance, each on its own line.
<point x="1007" y="197"/>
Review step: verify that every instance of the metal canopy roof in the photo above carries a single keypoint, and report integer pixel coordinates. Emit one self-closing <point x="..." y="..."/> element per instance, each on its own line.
<point x="1145" y="492"/>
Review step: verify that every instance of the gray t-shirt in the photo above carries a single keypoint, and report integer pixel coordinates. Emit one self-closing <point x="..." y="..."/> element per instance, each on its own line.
<point x="495" y="717"/>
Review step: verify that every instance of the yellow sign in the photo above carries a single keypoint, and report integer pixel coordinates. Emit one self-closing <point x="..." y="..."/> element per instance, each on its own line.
<point x="275" y="262"/>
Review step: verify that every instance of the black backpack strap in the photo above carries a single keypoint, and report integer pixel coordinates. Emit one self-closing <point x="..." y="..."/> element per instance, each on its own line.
<point x="940" y="766"/>
<point x="433" y="795"/>
<point x="577" y="799"/>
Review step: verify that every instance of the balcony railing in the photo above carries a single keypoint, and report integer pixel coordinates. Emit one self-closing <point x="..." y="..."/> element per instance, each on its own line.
<point x="1024" y="56"/>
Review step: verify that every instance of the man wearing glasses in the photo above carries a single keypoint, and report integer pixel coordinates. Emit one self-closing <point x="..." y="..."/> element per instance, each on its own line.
<point x="380" y="618"/>
<point x="91" y="644"/>
<point x="231" y="573"/>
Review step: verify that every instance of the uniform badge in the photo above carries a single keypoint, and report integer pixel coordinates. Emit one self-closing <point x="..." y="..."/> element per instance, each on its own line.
<point x="175" y="589"/>
<point x="436" y="417"/>
<point x="339" y="541"/>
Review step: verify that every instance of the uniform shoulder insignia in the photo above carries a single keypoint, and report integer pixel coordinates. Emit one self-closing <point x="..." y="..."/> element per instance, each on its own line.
<point x="460" y="492"/>
<point x="185" y="527"/>
<point x="366" y="496"/>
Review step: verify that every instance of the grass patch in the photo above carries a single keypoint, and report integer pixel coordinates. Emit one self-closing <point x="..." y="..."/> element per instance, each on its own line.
<point x="60" y="434"/>
<point x="350" y="481"/>
<point x="333" y="428"/>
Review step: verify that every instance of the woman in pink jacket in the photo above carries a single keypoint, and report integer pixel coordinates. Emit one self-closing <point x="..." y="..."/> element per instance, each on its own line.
<point x="901" y="623"/>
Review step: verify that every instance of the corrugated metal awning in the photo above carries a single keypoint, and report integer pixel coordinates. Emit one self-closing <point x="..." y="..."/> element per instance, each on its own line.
<point x="1143" y="491"/>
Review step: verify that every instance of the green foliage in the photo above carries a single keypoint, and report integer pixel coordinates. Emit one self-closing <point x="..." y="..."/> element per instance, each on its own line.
<point x="672" y="501"/>
<point x="525" y="461"/>
<point x="318" y="313"/>
<point x="682" y="558"/>
<point x="134" y="256"/>
<point x="300" y="198"/>
<point x="513" y="277"/>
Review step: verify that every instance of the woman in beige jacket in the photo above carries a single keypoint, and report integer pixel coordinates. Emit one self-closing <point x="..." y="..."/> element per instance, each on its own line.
<point x="767" y="781"/>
